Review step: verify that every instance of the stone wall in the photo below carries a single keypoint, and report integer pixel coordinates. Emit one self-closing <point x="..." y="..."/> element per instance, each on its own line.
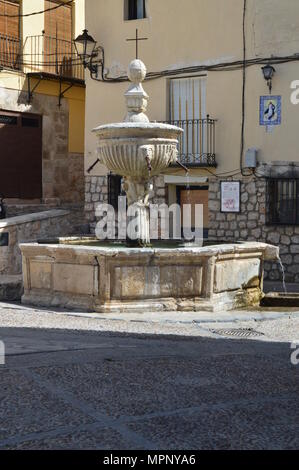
<point x="63" y="172"/>
<point x="30" y="228"/>
<point x="96" y="192"/>
<point x="250" y="225"/>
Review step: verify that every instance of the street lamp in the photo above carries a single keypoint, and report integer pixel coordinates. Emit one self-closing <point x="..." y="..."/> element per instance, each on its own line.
<point x="86" y="50"/>
<point x="268" y="72"/>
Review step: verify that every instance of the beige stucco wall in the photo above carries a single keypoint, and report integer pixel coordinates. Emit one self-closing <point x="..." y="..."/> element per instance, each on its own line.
<point x="201" y="32"/>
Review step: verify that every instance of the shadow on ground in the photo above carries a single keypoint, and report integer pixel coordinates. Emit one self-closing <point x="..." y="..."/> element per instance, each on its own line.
<point x="91" y="390"/>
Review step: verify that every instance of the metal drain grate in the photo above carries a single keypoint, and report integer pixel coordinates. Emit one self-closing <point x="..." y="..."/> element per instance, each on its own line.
<point x="239" y="332"/>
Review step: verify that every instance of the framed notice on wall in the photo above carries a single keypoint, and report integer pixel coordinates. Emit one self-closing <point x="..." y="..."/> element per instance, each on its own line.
<point x="230" y="196"/>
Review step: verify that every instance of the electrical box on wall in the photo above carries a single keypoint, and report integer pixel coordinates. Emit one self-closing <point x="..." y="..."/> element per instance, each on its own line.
<point x="251" y="158"/>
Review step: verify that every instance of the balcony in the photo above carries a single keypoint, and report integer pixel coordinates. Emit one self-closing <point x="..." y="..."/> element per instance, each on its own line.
<point x="41" y="54"/>
<point x="10" y="48"/>
<point x="197" y="144"/>
<point x="53" y="57"/>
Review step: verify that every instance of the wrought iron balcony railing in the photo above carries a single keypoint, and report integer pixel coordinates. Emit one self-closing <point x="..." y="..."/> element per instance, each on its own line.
<point x="197" y="144"/>
<point x="53" y="56"/>
<point x="10" y="48"/>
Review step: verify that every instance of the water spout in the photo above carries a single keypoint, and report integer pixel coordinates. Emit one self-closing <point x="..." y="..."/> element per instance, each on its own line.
<point x="183" y="166"/>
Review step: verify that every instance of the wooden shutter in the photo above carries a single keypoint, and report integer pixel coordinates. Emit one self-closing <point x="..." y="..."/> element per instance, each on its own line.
<point x="9" y="34"/>
<point x="58" y="39"/>
<point x="58" y="23"/>
<point x="10" y="26"/>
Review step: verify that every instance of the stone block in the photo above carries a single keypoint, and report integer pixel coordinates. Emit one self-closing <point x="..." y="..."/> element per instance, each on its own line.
<point x="214" y="205"/>
<point x="11" y="288"/>
<point x="235" y="274"/>
<point x="251" y="224"/>
<point x="132" y="282"/>
<point x="288" y="259"/>
<point x="253" y="216"/>
<point x="285" y="240"/>
<point x="294" y="269"/>
<point x="256" y="233"/>
<point x="244" y="198"/>
<point x="273" y="237"/>
<point x="41" y="274"/>
<point x="251" y="188"/>
<point x="188" y="280"/>
<point x="244" y="234"/>
<point x="73" y="278"/>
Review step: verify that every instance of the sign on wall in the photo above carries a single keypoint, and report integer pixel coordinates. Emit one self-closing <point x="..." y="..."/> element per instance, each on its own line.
<point x="270" y="110"/>
<point x="230" y="196"/>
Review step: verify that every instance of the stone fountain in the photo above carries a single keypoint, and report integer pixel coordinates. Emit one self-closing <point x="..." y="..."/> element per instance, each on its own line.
<point x="83" y="273"/>
<point x="138" y="150"/>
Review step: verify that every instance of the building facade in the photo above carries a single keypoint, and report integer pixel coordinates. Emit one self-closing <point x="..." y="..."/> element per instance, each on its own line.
<point x="205" y="58"/>
<point x="42" y="103"/>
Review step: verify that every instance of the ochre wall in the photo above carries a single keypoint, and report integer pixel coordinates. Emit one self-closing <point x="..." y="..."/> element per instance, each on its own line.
<point x="75" y="97"/>
<point x="33" y="26"/>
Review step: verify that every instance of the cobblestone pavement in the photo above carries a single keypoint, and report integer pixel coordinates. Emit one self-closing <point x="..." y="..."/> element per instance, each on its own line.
<point x="80" y="383"/>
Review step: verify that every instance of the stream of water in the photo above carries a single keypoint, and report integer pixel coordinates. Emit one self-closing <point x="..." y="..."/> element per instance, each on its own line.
<point x="283" y="276"/>
<point x="188" y="186"/>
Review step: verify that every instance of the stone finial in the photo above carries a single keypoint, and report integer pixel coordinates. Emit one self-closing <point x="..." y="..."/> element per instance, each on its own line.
<point x="136" y="97"/>
<point x="137" y="71"/>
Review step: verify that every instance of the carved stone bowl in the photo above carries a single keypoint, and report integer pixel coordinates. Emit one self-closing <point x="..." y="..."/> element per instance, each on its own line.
<point x="136" y="150"/>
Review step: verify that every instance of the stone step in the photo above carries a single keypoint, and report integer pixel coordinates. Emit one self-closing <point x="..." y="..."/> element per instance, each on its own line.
<point x="11" y="287"/>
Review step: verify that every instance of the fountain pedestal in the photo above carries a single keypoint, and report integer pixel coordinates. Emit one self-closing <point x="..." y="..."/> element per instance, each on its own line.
<point x="137" y="150"/>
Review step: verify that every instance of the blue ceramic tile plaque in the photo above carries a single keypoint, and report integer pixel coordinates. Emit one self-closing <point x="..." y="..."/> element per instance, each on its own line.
<point x="270" y="110"/>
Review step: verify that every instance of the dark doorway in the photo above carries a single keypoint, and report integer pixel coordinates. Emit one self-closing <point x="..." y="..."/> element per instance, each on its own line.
<point x="20" y="155"/>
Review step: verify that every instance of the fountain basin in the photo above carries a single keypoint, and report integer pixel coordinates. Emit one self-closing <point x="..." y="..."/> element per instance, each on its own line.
<point x="120" y="279"/>
<point x="128" y="149"/>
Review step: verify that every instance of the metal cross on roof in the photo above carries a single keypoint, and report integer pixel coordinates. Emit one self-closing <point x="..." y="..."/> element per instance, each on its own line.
<point x="137" y="39"/>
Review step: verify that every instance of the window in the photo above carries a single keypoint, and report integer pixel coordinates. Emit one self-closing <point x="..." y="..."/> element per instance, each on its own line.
<point x="9" y="33"/>
<point x="187" y="108"/>
<point x="10" y="25"/>
<point x="283" y="202"/>
<point x="58" y="39"/>
<point x="58" y="23"/>
<point x="135" y="9"/>
<point x="8" y="120"/>
<point x="30" y="122"/>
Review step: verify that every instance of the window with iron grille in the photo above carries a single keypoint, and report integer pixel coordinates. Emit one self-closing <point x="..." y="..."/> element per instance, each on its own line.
<point x="114" y="190"/>
<point x="135" y="9"/>
<point x="283" y="202"/>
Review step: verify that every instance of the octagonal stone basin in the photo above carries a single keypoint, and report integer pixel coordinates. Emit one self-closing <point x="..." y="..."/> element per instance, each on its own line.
<point x="120" y="279"/>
